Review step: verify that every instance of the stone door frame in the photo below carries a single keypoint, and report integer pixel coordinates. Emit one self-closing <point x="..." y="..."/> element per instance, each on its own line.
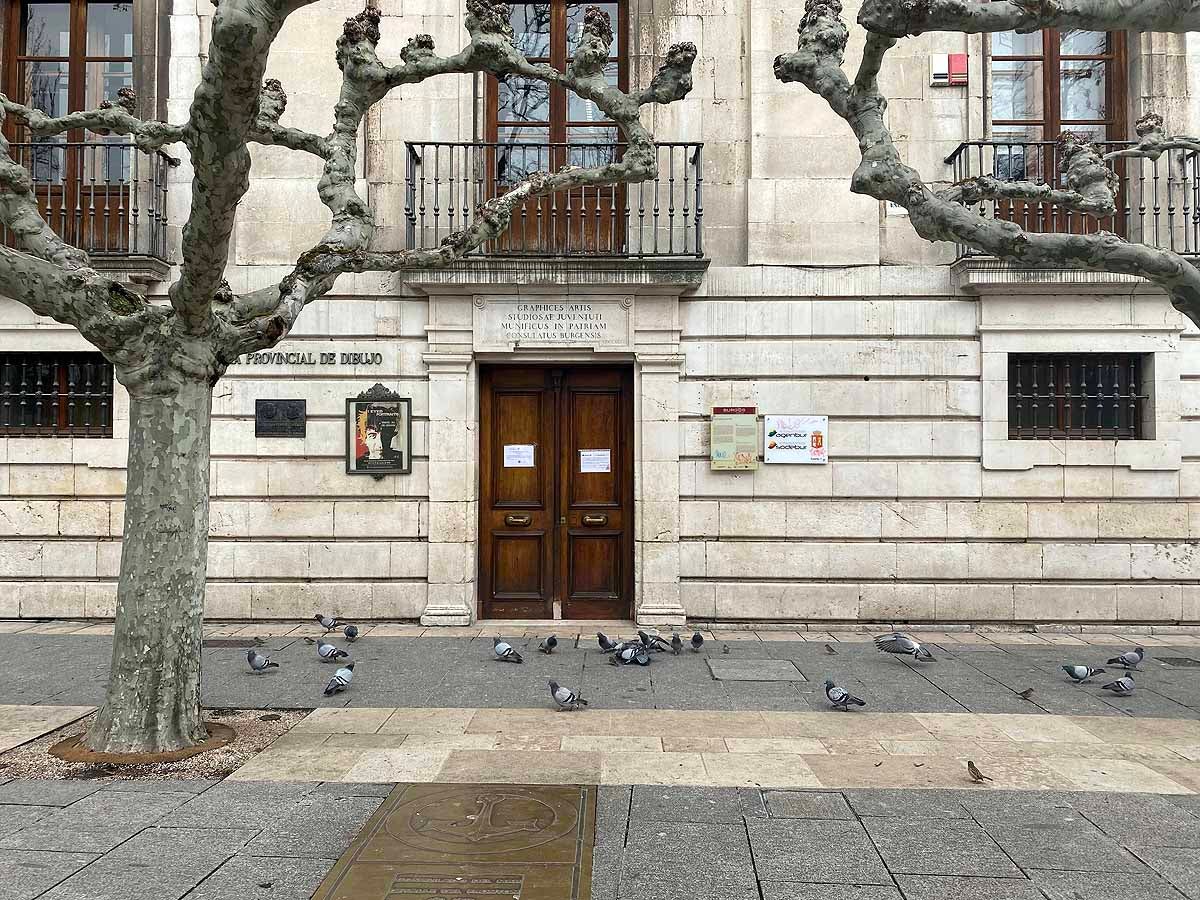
<point x="456" y="347"/>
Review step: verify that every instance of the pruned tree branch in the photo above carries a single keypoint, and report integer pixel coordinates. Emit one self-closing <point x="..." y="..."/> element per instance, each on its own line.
<point x="262" y="318"/>
<point x="224" y="113"/>
<point x="111" y="117"/>
<point x="817" y="64"/>
<point x="267" y="130"/>
<point x="1153" y="142"/>
<point x="1092" y="186"/>
<point x="901" y="18"/>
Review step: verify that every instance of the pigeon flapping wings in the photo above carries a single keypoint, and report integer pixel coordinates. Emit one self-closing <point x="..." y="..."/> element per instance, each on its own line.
<point x="504" y="651"/>
<point x="565" y="697"/>
<point x="903" y="644"/>
<point x="636" y="655"/>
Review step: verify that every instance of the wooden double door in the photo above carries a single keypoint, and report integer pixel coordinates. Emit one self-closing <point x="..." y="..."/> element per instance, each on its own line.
<point x="556" y="504"/>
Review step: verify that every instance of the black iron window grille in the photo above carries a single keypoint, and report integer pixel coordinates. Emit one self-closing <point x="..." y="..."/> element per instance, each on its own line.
<point x="55" y="395"/>
<point x="1075" y="396"/>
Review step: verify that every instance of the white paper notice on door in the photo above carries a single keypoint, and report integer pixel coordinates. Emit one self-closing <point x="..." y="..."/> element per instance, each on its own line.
<point x="595" y="460"/>
<point x="518" y="456"/>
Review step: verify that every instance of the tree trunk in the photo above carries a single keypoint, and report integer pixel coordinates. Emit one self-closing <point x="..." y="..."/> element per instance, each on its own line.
<point x="153" y="702"/>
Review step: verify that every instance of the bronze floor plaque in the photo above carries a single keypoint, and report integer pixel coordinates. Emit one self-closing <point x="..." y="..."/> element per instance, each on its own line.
<point x="471" y="842"/>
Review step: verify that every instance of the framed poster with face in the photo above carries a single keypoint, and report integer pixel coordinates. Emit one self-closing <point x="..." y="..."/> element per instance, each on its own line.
<point x="378" y="433"/>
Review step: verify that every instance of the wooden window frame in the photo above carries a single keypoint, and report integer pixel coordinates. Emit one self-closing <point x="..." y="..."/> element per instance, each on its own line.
<point x="557" y="126"/>
<point x="1116" y="86"/>
<point x="77" y="59"/>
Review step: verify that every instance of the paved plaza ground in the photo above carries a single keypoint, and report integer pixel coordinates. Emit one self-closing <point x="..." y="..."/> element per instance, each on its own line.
<point x="712" y="784"/>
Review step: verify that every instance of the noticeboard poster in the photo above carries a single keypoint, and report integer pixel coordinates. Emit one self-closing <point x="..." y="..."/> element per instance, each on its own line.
<point x="796" y="439"/>
<point x="733" y="438"/>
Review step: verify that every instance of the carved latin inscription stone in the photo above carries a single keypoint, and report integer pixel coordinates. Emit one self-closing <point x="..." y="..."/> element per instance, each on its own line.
<point x="582" y="321"/>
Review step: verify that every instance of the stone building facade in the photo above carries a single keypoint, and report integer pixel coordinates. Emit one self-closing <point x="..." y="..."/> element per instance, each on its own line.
<point x="746" y="276"/>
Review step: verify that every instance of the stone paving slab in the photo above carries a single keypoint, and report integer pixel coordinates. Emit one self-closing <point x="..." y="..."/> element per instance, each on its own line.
<point x="440" y="671"/>
<point x="699" y="843"/>
<point x="751" y="749"/>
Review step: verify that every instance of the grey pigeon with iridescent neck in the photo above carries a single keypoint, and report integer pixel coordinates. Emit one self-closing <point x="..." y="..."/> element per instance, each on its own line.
<point x="565" y="697"/>
<point x="840" y="697"/>
<point x="1080" y="674"/>
<point x="504" y="651"/>
<point x="1130" y="659"/>
<point x="1122" y="687"/>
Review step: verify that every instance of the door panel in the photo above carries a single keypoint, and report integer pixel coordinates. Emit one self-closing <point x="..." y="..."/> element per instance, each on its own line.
<point x="516" y="571"/>
<point x="561" y="530"/>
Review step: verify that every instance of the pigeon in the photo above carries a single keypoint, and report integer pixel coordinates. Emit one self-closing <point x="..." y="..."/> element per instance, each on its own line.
<point x="565" y="697"/>
<point x="830" y="650"/>
<point x="1025" y="694"/>
<point x="1130" y="659"/>
<point x="258" y="662"/>
<point x="1080" y="674"/>
<point x="330" y="653"/>
<point x="327" y="622"/>
<point x="652" y="643"/>
<point x="676" y="643"/>
<point x="725" y="648"/>
<point x="1122" y="687"/>
<point x="607" y="644"/>
<point x="905" y="645"/>
<point x="505" y="652"/>
<point x="351" y="633"/>
<point x="629" y="655"/>
<point x="341" y="680"/>
<point x="697" y="642"/>
<point x="840" y="697"/>
<point x="976" y="776"/>
<point x="548" y="644"/>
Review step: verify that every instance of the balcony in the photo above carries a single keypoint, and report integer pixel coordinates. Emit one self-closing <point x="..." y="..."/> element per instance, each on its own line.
<point x="1158" y="201"/>
<point x="659" y="219"/>
<point x="105" y="197"/>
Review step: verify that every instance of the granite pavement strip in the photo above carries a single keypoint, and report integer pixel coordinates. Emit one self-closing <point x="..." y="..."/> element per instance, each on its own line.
<point x="766" y="797"/>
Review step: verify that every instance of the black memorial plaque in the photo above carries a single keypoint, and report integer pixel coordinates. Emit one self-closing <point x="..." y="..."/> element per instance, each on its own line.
<point x="279" y="418"/>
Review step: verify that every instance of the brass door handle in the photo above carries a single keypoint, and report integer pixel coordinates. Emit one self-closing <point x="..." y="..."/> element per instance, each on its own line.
<point x="595" y="520"/>
<point x="517" y="521"/>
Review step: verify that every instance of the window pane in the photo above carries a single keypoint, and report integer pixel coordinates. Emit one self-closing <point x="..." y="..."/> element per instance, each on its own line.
<point x="1009" y="43"/>
<point x="47" y="29"/>
<point x="1083" y="90"/>
<point x="1018" y="154"/>
<point x="592" y="146"/>
<point x="580" y="110"/>
<point x="575" y="13"/>
<point x="522" y="152"/>
<point x="104" y="79"/>
<point x="531" y="28"/>
<point x="45" y="85"/>
<point x="523" y="100"/>
<point x="1083" y="43"/>
<point x="110" y="29"/>
<point x="1016" y="89"/>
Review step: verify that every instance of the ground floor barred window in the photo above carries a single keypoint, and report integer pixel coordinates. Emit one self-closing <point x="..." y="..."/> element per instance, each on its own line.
<point x="55" y="395"/>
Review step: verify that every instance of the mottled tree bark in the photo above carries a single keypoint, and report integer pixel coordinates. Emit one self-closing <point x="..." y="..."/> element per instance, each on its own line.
<point x="153" y="700"/>
<point x="169" y="357"/>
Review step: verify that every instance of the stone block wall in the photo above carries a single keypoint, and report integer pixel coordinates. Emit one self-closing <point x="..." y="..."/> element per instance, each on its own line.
<point x="908" y="521"/>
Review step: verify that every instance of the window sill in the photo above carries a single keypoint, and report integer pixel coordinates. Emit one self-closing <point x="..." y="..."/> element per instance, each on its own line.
<point x="1004" y="454"/>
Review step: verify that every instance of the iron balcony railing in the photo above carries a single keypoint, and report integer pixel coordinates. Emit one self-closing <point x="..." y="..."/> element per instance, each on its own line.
<point x="1158" y="201"/>
<point x="103" y="196"/>
<point x="446" y="181"/>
